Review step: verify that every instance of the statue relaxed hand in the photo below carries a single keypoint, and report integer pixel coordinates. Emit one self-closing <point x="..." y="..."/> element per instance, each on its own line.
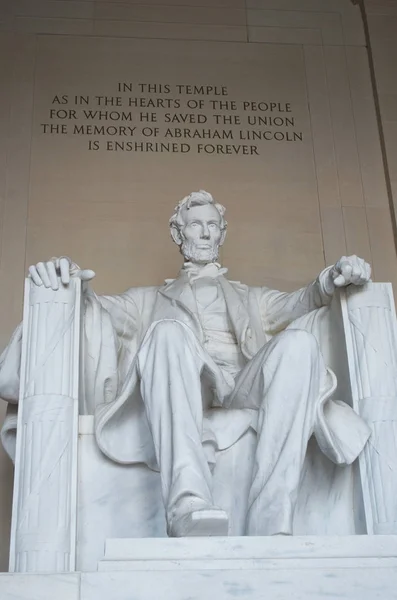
<point x="56" y="271"/>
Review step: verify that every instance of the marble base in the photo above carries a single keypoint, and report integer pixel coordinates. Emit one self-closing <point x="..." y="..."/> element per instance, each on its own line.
<point x="105" y="508"/>
<point x="351" y="568"/>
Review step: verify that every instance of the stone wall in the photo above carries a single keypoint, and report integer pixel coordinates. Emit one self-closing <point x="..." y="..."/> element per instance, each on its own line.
<point x="381" y="20"/>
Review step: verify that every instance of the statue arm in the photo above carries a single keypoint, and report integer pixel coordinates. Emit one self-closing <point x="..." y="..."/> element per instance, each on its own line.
<point x="112" y="330"/>
<point x="279" y="309"/>
<point x="10" y="363"/>
<point x="110" y="323"/>
<point x="123" y="310"/>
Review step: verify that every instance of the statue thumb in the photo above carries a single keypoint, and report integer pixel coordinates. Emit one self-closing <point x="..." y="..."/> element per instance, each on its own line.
<point x="85" y="274"/>
<point x="339" y="281"/>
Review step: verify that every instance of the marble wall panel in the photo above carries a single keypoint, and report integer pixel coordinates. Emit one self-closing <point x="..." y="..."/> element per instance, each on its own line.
<point x="366" y="129"/>
<point x="356" y="230"/>
<point x="383" y="7"/>
<point x="69" y="9"/>
<point x="334" y="233"/>
<point x="324" y="149"/>
<point x="344" y="133"/>
<point x="15" y="204"/>
<point x="56" y="26"/>
<point x="381" y="19"/>
<point x="285" y="35"/>
<point x="16" y="101"/>
<point x="5" y="466"/>
<point x="170" y="14"/>
<point x="175" y="31"/>
<point x="339" y="22"/>
<point x="219" y="3"/>
<point x="328" y="23"/>
<point x="115" y="200"/>
<point x="383" y="251"/>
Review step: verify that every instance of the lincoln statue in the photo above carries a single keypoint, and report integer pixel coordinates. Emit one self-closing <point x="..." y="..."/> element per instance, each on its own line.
<point x="176" y="373"/>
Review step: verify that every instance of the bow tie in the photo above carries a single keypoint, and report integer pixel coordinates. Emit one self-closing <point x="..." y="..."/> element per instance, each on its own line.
<point x="211" y="270"/>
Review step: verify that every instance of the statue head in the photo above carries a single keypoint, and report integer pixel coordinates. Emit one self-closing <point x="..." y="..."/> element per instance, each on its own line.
<point x="198" y="227"/>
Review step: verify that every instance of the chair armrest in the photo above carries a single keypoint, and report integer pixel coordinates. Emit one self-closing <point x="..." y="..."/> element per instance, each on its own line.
<point x="43" y="525"/>
<point x="370" y="327"/>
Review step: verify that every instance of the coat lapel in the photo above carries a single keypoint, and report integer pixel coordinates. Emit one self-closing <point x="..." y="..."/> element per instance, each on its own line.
<point x="179" y="295"/>
<point x="180" y="290"/>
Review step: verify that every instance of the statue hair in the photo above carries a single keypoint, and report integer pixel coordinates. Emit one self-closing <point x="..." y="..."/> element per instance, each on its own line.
<point x="199" y="198"/>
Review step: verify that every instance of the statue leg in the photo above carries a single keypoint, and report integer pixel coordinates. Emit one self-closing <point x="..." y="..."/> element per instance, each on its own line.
<point x="170" y="363"/>
<point x="283" y="381"/>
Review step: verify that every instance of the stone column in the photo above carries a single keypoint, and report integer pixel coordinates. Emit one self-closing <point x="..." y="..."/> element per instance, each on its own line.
<point x="371" y="338"/>
<point x="43" y="531"/>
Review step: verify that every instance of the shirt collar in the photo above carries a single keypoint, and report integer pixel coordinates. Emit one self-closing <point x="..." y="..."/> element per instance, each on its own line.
<point x="194" y="271"/>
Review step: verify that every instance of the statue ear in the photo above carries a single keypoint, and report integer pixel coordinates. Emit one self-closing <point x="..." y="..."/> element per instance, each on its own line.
<point x="176" y="235"/>
<point x="223" y="236"/>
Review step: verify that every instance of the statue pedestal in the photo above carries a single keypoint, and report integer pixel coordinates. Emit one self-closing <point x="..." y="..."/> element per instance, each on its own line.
<point x="351" y="567"/>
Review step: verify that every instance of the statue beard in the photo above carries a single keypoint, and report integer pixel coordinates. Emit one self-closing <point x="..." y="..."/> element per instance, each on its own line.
<point x="199" y="255"/>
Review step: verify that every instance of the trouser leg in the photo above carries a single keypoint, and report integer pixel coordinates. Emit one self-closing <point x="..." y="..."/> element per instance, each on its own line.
<point x="284" y="381"/>
<point x="170" y="363"/>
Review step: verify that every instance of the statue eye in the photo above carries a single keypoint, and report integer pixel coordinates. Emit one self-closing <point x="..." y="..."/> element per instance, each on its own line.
<point x="212" y="225"/>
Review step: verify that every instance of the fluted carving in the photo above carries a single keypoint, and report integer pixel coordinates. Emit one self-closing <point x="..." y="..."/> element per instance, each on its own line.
<point x="371" y="340"/>
<point x="44" y="511"/>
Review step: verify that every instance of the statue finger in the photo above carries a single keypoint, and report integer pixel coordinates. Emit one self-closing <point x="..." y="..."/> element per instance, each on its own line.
<point x="52" y="274"/>
<point x="368" y="271"/>
<point x="35" y="276"/>
<point x="346" y="271"/>
<point x="339" y="281"/>
<point x="338" y="265"/>
<point x="64" y="268"/>
<point x="364" y="274"/>
<point x="42" y="271"/>
<point x="86" y="274"/>
<point x="357" y="274"/>
<point x="365" y="269"/>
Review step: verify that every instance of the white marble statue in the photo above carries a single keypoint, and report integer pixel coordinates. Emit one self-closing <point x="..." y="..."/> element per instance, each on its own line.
<point x="178" y="372"/>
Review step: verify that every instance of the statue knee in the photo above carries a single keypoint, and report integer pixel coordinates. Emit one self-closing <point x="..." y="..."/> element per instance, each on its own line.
<point x="166" y="337"/>
<point x="298" y="341"/>
<point x="168" y="329"/>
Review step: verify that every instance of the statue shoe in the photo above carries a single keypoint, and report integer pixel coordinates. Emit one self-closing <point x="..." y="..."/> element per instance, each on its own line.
<point x="202" y="520"/>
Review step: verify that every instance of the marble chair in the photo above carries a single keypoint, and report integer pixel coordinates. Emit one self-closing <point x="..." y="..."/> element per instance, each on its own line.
<point x="69" y="498"/>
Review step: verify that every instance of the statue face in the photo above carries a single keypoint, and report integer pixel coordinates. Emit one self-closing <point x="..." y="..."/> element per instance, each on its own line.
<point x="201" y="234"/>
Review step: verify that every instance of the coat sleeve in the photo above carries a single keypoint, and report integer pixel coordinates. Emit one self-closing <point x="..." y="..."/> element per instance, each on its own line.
<point x="279" y="309"/>
<point x="10" y="366"/>
<point x="112" y="326"/>
<point x="110" y="333"/>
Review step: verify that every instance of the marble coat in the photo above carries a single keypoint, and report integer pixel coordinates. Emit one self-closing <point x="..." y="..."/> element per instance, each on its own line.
<point x="256" y="314"/>
<point x="114" y="328"/>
